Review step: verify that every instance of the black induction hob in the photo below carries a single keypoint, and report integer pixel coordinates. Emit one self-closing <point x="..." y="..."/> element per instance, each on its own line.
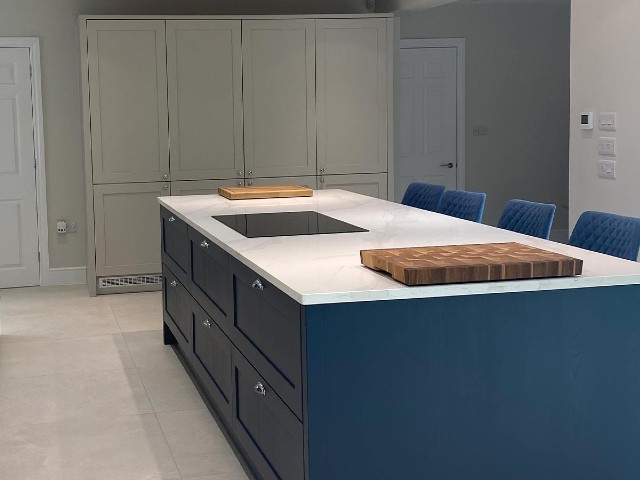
<point x="285" y="224"/>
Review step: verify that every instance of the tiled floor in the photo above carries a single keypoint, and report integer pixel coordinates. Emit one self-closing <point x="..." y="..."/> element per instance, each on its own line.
<point x="89" y="392"/>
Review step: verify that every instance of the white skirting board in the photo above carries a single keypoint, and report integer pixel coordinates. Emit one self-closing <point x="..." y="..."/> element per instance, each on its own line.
<point x="68" y="276"/>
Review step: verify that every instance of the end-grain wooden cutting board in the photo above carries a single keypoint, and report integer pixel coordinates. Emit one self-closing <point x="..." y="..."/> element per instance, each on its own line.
<point x="470" y="263"/>
<point x="266" y="191"/>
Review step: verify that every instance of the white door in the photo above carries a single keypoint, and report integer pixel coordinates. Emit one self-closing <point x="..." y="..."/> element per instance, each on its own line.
<point x="19" y="264"/>
<point x="427" y="117"/>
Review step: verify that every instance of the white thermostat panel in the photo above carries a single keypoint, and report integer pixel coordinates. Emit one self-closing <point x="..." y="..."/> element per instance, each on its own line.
<point x="586" y="121"/>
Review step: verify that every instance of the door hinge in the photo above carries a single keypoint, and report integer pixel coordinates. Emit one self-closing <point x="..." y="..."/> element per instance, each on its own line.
<point x="38" y="257"/>
<point x="35" y="163"/>
<point x="30" y="71"/>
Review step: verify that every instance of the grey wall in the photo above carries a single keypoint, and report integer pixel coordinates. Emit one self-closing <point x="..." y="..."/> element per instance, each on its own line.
<point x="517" y="84"/>
<point x="55" y="22"/>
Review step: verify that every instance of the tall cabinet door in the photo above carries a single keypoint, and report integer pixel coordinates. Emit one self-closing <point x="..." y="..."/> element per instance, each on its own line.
<point x="128" y="101"/>
<point x="204" y="67"/>
<point x="279" y="97"/>
<point x="127" y="219"/>
<point x="352" y="96"/>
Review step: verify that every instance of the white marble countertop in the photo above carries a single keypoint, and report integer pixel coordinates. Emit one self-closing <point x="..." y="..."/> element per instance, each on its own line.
<point x="322" y="269"/>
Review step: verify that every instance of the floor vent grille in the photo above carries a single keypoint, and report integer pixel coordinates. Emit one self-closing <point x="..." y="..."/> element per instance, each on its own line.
<point x="130" y="280"/>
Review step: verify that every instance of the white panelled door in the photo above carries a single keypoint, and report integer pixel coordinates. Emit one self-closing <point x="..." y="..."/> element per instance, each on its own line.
<point x="19" y="264"/>
<point x="427" y="117"/>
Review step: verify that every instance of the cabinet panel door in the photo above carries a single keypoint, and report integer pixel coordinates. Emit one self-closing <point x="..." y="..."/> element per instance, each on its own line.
<point x="204" y="70"/>
<point x="307" y="181"/>
<point x="203" y="187"/>
<point x="352" y="96"/>
<point x="128" y="101"/>
<point x="279" y="97"/>
<point x="372" y="185"/>
<point x="127" y="220"/>
<point x="177" y="307"/>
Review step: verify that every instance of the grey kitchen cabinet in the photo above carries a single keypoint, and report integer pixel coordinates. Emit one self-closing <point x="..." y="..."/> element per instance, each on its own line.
<point x="203" y="187"/>
<point x="127" y="237"/>
<point x="128" y="101"/>
<point x="371" y="184"/>
<point x="279" y="97"/>
<point x="310" y="181"/>
<point x="204" y="68"/>
<point x="352" y="95"/>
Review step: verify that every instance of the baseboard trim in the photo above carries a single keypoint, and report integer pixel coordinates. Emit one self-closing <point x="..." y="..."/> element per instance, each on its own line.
<point x="68" y="276"/>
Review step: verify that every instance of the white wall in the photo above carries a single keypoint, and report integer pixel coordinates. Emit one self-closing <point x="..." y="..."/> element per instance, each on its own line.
<point x="605" y="77"/>
<point x="517" y="84"/>
<point x="55" y="22"/>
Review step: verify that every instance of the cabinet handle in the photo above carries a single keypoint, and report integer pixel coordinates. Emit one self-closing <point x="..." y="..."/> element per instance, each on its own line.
<point x="166" y="187"/>
<point x="448" y="165"/>
<point x="240" y="173"/>
<point x="250" y="172"/>
<point x="207" y="323"/>
<point x="322" y="170"/>
<point x="259" y="389"/>
<point x="250" y="183"/>
<point x="257" y="284"/>
<point x="172" y="219"/>
<point x="204" y="244"/>
<point x="240" y="184"/>
<point x="174" y="284"/>
<point x="321" y="179"/>
<point x="165" y="177"/>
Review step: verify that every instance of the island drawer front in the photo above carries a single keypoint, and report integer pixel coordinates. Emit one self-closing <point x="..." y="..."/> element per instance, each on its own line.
<point x="212" y="359"/>
<point x="175" y="244"/>
<point x="210" y="276"/>
<point x="266" y="329"/>
<point x="267" y="429"/>
<point x="177" y="307"/>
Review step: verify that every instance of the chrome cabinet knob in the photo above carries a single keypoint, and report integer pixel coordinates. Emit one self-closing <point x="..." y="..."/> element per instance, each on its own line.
<point x="250" y="172"/>
<point x="165" y="177"/>
<point x="259" y="389"/>
<point x="321" y="179"/>
<point x="174" y="284"/>
<point x="322" y="170"/>
<point x="204" y="244"/>
<point x="257" y="284"/>
<point x="165" y="187"/>
<point x="240" y="184"/>
<point x="250" y="183"/>
<point x="240" y="173"/>
<point x="207" y="323"/>
<point x="172" y="219"/>
<point x="448" y="165"/>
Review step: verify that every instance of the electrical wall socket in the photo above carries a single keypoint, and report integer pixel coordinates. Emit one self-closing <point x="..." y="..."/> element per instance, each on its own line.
<point x="72" y="227"/>
<point x="607" y="146"/>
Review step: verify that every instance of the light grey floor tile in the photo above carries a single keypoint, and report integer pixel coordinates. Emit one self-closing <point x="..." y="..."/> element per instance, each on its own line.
<point x="148" y="351"/>
<point x="91" y="321"/>
<point x="170" y="388"/>
<point x="120" y="448"/>
<point x="47" y="300"/>
<point x="197" y="444"/>
<point x="93" y="354"/>
<point x="138" y="318"/>
<point x="33" y="400"/>
<point x="135" y="299"/>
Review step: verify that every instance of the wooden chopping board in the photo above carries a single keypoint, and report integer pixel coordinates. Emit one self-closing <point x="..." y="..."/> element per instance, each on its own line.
<point x="470" y="263"/>
<point x="266" y="191"/>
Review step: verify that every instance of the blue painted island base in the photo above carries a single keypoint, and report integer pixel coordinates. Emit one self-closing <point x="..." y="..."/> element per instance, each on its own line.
<point x="535" y="385"/>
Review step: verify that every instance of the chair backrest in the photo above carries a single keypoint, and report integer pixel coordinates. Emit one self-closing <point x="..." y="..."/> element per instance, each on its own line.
<point x="608" y="233"/>
<point x="464" y="205"/>
<point x="423" y="195"/>
<point x="529" y="218"/>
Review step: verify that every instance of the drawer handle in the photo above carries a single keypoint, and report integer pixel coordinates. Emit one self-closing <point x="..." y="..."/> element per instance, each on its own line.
<point x="257" y="284"/>
<point x="204" y="244"/>
<point x="172" y="219"/>
<point x="259" y="389"/>
<point x="174" y="284"/>
<point x="207" y="323"/>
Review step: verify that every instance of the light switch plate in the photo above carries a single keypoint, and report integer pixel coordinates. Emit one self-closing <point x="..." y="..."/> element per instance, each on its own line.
<point x="607" y="169"/>
<point x="608" y="121"/>
<point x="607" y="146"/>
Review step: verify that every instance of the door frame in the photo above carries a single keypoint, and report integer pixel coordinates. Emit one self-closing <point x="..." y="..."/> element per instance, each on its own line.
<point x="33" y="44"/>
<point x="459" y="45"/>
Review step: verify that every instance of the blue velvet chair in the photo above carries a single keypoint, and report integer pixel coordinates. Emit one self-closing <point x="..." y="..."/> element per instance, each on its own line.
<point x="423" y="195"/>
<point x="529" y="218"/>
<point x="464" y="205"/>
<point x="608" y="233"/>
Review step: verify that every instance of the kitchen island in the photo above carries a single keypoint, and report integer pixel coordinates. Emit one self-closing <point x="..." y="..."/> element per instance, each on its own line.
<point x="321" y="369"/>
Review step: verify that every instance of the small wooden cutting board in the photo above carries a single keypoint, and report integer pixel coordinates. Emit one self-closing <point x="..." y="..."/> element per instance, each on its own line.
<point x="470" y="263"/>
<point x="266" y="191"/>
